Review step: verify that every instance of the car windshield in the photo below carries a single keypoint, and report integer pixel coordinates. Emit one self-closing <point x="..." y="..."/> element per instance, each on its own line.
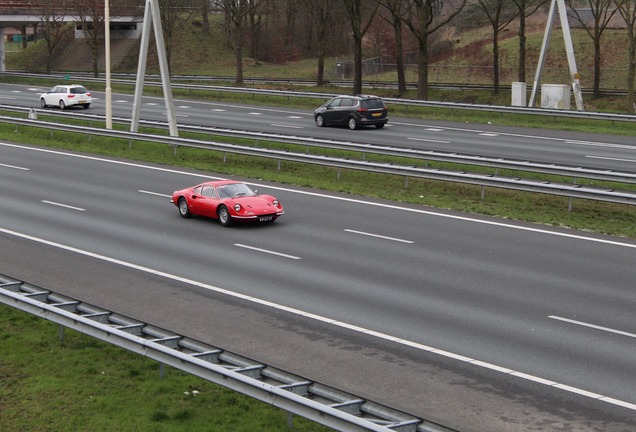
<point x="236" y="189"/>
<point x="78" y="90"/>
<point x="372" y="103"/>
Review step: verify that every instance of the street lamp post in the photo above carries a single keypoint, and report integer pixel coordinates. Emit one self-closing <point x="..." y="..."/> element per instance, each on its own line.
<point x="109" y="97"/>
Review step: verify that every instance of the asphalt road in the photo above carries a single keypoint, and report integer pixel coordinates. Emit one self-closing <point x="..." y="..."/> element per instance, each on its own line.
<point x="564" y="148"/>
<point x="476" y="323"/>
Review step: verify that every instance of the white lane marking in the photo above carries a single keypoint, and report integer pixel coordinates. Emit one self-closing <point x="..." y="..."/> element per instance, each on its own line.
<point x="332" y="197"/>
<point x="599" y="144"/>
<point x="63" y="205"/>
<point x="184" y="106"/>
<point x="489" y="134"/>
<point x="288" y="126"/>
<point x="434" y="129"/>
<point x="294" y="117"/>
<point x="428" y="140"/>
<point x="594" y="326"/>
<point x="218" y="110"/>
<point x="378" y="236"/>
<point x="546" y="138"/>
<point x="151" y="103"/>
<point x="326" y="320"/>
<point x="266" y="251"/>
<point x="153" y="193"/>
<point x="255" y="113"/>
<point x="15" y="167"/>
<point x="611" y="158"/>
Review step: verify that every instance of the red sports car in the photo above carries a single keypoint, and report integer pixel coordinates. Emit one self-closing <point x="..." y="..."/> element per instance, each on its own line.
<point x="227" y="201"/>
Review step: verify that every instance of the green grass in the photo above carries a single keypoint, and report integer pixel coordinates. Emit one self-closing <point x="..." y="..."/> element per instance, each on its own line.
<point x="83" y="384"/>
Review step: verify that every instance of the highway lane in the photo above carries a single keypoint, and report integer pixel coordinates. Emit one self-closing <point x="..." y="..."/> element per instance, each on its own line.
<point x="568" y="148"/>
<point x="477" y="287"/>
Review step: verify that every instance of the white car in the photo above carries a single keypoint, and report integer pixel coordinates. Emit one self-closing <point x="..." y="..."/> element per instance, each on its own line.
<point x="65" y="96"/>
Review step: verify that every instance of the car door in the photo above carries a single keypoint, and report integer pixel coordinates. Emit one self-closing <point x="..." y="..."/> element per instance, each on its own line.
<point x="343" y="111"/>
<point x="51" y="97"/>
<point x="207" y="201"/>
<point x="331" y="114"/>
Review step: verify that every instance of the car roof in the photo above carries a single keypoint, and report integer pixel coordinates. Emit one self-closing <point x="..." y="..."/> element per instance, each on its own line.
<point x="220" y="182"/>
<point x="359" y="96"/>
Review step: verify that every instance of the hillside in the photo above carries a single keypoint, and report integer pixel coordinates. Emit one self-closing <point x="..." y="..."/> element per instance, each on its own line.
<point x="464" y="58"/>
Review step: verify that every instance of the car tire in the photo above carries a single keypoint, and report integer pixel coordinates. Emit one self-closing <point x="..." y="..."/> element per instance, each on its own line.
<point x="379" y="125"/>
<point x="320" y="121"/>
<point x="43" y="103"/>
<point x="184" y="210"/>
<point x="353" y="124"/>
<point x="224" y="216"/>
<point x="62" y="104"/>
<point x="86" y="106"/>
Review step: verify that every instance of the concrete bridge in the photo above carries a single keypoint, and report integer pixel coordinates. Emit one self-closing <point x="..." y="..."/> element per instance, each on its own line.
<point x="18" y="13"/>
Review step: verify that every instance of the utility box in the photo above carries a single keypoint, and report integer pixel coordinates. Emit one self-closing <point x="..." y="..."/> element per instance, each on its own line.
<point x="519" y="93"/>
<point x="555" y="96"/>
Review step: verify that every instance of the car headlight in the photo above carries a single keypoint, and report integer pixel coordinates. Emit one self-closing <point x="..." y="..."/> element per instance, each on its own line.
<point x="237" y="207"/>
<point x="276" y="203"/>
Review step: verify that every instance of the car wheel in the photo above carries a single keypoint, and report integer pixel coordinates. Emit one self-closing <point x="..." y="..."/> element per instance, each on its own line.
<point x="62" y="105"/>
<point x="224" y="216"/>
<point x="320" y="121"/>
<point x="42" y="103"/>
<point x="353" y="124"/>
<point x="380" y="125"/>
<point x="86" y="106"/>
<point x="184" y="210"/>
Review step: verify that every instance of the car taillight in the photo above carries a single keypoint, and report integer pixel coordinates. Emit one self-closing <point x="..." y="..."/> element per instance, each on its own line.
<point x="71" y="96"/>
<point x="362" y="110"/>
<point x="88" y="94"/>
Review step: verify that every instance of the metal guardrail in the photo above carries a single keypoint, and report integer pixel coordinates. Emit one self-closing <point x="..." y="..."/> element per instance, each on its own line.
<point x="317" y="402"/>
<point x="613" y="117"/>
<point x="426" y="155"/>
<point x="515" y="183"/>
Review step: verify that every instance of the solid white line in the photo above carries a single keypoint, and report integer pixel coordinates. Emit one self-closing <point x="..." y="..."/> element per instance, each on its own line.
<point x="594" y="326"/>
<point x="428" y="140"/>
<point x="15" y="167"/>
<point x="337" y="198"/>
<point x="326" y="320"/>
<point x="378" y="236"/>
<point x="153" y="193"/>
<point x="610" y="158"/>
<point x="288" y="126"/>
<point x="267" y="251"/>
<point x="63" y="205"/>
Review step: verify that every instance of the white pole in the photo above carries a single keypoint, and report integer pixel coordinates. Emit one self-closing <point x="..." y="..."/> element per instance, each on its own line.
<point x="109" y="96"/>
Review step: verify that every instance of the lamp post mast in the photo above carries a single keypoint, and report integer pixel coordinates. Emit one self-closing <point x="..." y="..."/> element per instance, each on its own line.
<point x="109" y="97"/>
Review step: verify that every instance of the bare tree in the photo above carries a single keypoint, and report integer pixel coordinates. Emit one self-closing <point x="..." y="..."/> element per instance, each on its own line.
<point x="499" y="13"/>
<point x="91" y="19"/>
<point x="175" y="16"/>
<point x="54" y="28"/>
<point x="323" y="13"/>
<point x="236" y="13"/>
<point x="525" y="8"/>
<point x="395" y="18"/>
<point x="424" y="18"/>
<point x="602" y="13"/>
<point x="357" y="10"/>
<point x="627" y="9"/>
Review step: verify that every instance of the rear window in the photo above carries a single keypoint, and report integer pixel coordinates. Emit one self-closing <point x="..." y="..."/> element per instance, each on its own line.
<point x="78" y="90"/>
<point x="372" y="103"/>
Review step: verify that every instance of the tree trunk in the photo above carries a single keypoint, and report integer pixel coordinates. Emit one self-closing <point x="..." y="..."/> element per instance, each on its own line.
<point x="422" y="69"/>
<point x="522" y="46"/>
<point x="631" y="74"/>
<point x="357" y="75"/>
<point x="399" y="56"/>
<point x="597" y="66"/>
<point x="495" y="59"/>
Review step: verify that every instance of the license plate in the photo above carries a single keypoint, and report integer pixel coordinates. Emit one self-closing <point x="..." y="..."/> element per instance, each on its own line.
<point x="82" y="102"/>
<point x="376" y="114"/>
<point x="264" y="218"/>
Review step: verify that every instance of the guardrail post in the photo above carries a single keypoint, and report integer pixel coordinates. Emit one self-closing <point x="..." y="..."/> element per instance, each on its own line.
<point x="60" y="333"/>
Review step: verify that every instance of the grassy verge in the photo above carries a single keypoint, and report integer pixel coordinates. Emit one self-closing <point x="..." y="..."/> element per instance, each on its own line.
<point x="83" y="384"/>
